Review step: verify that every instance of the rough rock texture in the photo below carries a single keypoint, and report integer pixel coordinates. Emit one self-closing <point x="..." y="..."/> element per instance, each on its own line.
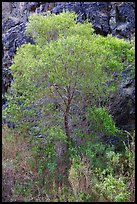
<point x="116" y="18"/>
<point x="122" y="105"/>
<point x="12" y="39"/>
<point x="13" y="27"/>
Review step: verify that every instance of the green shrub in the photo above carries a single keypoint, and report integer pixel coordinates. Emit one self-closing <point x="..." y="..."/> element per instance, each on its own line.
<point x="46" y="28"/>
<point x="101" y="121"/>
<point x="113" y="188"/>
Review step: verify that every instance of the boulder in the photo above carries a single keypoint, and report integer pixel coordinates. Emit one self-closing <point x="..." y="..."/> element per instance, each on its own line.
<point x="122" y="105"/>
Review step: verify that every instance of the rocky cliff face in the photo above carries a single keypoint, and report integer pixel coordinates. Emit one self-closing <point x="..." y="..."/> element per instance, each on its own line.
<point x="122" y="105"/>
<point x="116" y="18"/>
<point x="14" y="18"/>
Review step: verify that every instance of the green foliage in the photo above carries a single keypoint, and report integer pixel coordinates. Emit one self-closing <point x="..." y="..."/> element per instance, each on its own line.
<point x="57" y="134"/>
<point x="129" y="154"/>
<point x="80" y="29"/>
<point x="46" y="28"/>
<point x="113" y="181"/>
<point x="101" y="121"/>
<point x="113" y="188"/>
<point x="110" y="183"/>
<point x="113" y="159"/>
<point x="45" y="150"/>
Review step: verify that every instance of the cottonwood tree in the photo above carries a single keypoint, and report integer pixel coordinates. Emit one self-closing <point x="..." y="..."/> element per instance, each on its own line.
<point x="67" y="63"/>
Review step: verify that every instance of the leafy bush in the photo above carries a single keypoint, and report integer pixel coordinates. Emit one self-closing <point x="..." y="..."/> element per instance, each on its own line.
<point x="101" y="121"/>
<point x="113" y="188"/>
<point x="44" y="29"/>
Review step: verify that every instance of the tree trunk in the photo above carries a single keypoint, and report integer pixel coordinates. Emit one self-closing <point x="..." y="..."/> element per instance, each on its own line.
<point x="64" y="164"/>
<point x="62" y="174"/>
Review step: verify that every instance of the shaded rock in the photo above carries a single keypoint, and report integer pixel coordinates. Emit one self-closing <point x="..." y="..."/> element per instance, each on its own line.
<point x="122" y="19"/>
<point x="8" y="23"/>
<point x="117" y="18"/>
<point x="13" y="38"/>
<point x="122" y="106"/>
<point x="94" y="11"/>
<point x="32" y="6"/>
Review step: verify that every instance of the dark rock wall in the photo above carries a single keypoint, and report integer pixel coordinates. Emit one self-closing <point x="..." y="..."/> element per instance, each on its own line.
<point x="14" y="18"/>
<point x="116" y="18"/>
<point x="122" y="105"/>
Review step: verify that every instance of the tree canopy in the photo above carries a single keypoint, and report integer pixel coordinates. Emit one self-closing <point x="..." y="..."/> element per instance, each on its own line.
<point x="65" y="55"/>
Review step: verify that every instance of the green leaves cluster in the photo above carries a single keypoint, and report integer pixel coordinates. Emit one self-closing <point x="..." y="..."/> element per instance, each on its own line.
<point x="47" y="28"/>
<point x="113" y="188"/>
<point x="101" y="121"/>
<point x="57" y="133"/>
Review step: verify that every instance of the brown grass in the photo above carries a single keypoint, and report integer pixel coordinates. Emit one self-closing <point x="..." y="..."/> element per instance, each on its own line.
<point x="20" y="167"/>
<point x="15" y="165"/>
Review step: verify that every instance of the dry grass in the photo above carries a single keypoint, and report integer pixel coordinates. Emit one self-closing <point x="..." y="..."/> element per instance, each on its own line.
<point x="22" y="182"/>
<point x="21" y="171"/>
<point x="81" y="179"/>
<point x="15" y="150"/>
<point x="83" y="183"/>
<point x="15" y="165"/>
<point x="18" y="172"/>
